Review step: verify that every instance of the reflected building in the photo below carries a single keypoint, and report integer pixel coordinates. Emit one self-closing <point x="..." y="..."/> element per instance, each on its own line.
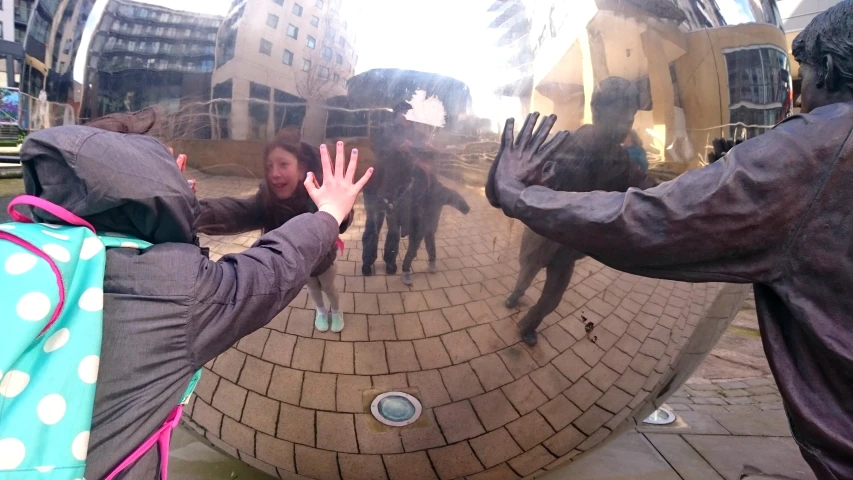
<point x="277" y="64"/>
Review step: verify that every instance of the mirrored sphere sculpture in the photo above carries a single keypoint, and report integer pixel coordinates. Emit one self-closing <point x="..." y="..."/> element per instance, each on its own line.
<point x="232" y="76"/>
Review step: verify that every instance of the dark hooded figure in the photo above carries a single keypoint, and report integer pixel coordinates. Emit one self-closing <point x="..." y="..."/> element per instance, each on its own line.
<point x="168" y="310"/>
<point x="774" y="212"/>
<point x="591" y="159"/>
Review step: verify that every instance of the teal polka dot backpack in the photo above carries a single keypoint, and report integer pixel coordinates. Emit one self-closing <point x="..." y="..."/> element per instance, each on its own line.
<point x="51" y="309"/>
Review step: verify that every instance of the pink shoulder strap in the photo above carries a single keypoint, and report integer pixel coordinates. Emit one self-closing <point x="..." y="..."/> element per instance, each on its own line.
<point x="48" y="207"/>
<point x="162" y="437"/>
<point x="340" y="244"/>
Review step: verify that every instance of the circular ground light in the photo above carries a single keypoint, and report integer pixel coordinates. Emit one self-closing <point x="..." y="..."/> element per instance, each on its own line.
<point x="396" y="409"/>
<point x="661" y="416"/>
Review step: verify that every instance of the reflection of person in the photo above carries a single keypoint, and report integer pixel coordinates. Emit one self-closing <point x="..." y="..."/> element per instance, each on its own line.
<point x="634" y="145"/>
<point x="775" y="212"/>
<point x="167" y="310"/>
<point x="591" y="159"/>
<point x="393" y="166"/>
<point x="279" y="199"/>
<point x="425" y="201"/>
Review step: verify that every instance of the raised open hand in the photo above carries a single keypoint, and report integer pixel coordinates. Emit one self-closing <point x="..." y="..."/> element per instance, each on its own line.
<point x="182" y="166"/>
<point x="337" y="194"/>
<point x="526" y="158"/>
<point x="721" y="148"/>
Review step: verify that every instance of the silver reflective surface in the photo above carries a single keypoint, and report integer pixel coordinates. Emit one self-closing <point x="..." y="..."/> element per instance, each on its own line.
<point x="234" y="75"/>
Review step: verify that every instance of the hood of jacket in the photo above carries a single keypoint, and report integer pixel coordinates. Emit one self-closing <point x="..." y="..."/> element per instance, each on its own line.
<point x="121" y="183"/>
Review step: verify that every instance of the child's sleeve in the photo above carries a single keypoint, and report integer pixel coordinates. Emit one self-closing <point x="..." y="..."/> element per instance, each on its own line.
<point x="229" y="216"/>
<point x="455" y="200"/>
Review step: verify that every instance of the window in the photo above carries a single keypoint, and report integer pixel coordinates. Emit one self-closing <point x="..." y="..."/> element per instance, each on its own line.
<point x="319" y="4"/>
<point x="272" y="20"/>
<point x="315" y="21"/>
<point x="340" y="59"/>
<point x="287" y="57"/>
<point x="336" y="78"/>
<point x="297" y="9"/>
<point x="312" y="42"/>
<point x="266" y="47"/>
<point x="278" y="2"/>
<point x="327" y="54"/>
<point x="306" y="65"/>
<point x="292" y="31"/>
<point x="330" y="35"/>
<point x="342" y="42"/>
<point x="759" y="86"/>
<point x="324" y="73"/>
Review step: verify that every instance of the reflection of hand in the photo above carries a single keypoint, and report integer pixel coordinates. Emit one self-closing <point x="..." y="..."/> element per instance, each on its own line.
<point x="182" y="166"/>
<point x="337" y="194"/>
<point x="721" y="148"/>
<point x="525" y="159"/>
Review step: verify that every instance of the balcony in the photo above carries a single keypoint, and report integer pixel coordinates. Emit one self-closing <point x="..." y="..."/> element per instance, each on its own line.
<point x="22" y="14"/>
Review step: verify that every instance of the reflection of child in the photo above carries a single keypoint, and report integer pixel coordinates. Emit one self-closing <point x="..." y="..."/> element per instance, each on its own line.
<point x="427" y="197"/>
<point x="280" y="198"/>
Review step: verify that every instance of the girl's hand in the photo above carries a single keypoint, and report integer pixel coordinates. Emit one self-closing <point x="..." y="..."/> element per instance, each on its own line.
<point x="182" y="166"/>
<point x="338" y="193"/>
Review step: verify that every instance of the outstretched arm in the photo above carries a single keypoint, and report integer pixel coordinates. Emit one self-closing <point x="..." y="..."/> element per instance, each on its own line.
<point x="228" y="216"/>
<point x="730" y="221"/>
<point x="455" y="200"/>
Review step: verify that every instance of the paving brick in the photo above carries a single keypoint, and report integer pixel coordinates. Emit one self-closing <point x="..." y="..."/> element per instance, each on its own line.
<point x="558" y="337"/>
<point x="286" y="385"/>
<point x="339" y="358"/>
<point x="436" y="299"/>
<point x="375" y="438"/>
<point x="458" y="421"/>
<point x="495" y="447"/>
<point x="296" y="425"/>
<point x="431" y="353"/>
<point x="629" y="345"/>
<point x="256" y="375"/>
<point x="229" y="364"/>
<point x="318" y="391"/>
<point x="564" y="441"/>
<point x="486" y="339"/>
<point x="253" y="344"/>
<point x="308" y="354"/>
<point x="498" y="472"/>
<point x="381" y="327"/>
<point x="278" y="453"/>
<point x="494" y="409"/>
<point x="366" y="303"/>
<point x="207" y="417"/>
<point x="518" y="361"/>
<point x="630" y="381"/>
<point x="422" y="437"/>
<point x="229" y="399"/>
<point x="594" y="439"/>
<point x="375" y="284"/>
<point x="457" y="295"/>
<point x="207" y="385"/>
<point x="354" y="284"/>
<point x="602" y="377"/>
<point x="458" y="317"/>
<point x="430" y="387"/>
<point x="550" y="380"/>
<point x="336" y="432"/>
<point x="460" y="347"/>
<point x="588" y="351"/>
<point x="279" y="322"/>
<point x="361" y="467"/>
<point x="491" y="371"/>
<point x="455" y="461"/>
<point x="260" y="413"/>
<point x="414" y="302"/>
<point x="279" y="348"/>
<point x="614" y="400"/>
<point x="301" y="322"/>
<point x="315" y="463"/>
<point x="238" y="435"/>
<point x="434" y="323"/>
<point x="349" y="393"/>
<point x="409" y="466"/>
<point x="408" y="326"/>
<point x="507" y="330"/>
<point x="461" y="382"/>
<point x="616" y="359"/>
<point x="592" y="420"/>
<point x="570" y="365"/>
<point x="370" y="358"/>
<point x="531" y="460"/>
<point x="480" y="312"/>
<point x="530" y="430"/>
<point x="653" y="348"/>
<point x="401" y="357"/>
<point x="390" y="382"/>
<point x="390" y="303"/>
<point x="356" y="328"/>
<point x="583" y="394"/>
<point x="524" y="395"/>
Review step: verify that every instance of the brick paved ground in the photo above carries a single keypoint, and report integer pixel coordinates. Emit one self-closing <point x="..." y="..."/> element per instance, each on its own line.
<point x="289" y="399"/>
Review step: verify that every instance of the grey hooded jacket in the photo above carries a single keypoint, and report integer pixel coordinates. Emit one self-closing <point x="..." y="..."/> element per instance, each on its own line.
<point x="775" y="212"/>
<point x="167" y="310"/>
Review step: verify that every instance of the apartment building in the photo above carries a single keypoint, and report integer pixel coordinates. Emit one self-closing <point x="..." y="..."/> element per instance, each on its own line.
<point x="277" y="62"/>
<point x="796" y="15"/>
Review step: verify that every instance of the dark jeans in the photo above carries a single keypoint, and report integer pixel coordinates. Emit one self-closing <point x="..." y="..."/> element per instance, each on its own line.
<point x="415" y="244"/>
<point x="375" y="210"/>
<point x="558" y="275"/>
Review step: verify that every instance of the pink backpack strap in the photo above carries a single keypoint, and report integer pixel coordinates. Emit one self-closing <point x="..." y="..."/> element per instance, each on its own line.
<point x="340" y="244"/>
<point x="48" y="207"/>
<point x="162" y="437"/>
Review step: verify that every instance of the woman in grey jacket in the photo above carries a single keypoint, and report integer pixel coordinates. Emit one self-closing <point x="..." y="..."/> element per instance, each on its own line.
<point x="168" y="310"/>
